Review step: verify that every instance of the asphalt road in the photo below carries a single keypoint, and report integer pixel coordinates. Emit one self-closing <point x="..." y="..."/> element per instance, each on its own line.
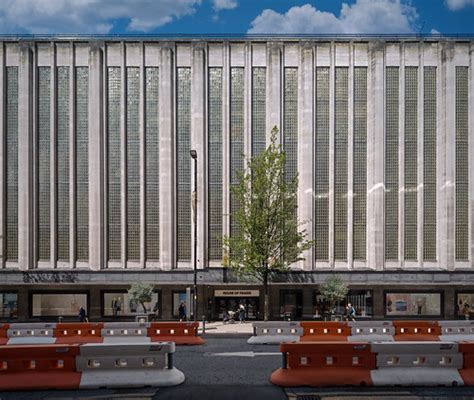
<point x="229" y="369"/>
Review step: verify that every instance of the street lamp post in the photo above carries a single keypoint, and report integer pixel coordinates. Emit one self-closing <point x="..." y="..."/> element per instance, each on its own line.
<point x="193" y="154"/>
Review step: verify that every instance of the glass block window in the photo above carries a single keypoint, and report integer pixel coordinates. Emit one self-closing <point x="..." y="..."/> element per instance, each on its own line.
<point x="183" y="145"/>
<point x="360" y="163"/>
<point x="12" y="164"/>
<point x="133" y="163"/>
<point x="290" y="122"/>
<point x="411" y="162"/>
<point x="82" y="163"/>
<point x="322" y="164"/>
<point x="44" y="160"/>
<point x="429" y="164"/>
<point x="391" y="163"/>
<point x="236" y="135"/>
<point x="259" y="99"/>
<point x="62" y="108"/>
<point x="152" y="149"/>
<point x="462" y="161"/>
<point x="215" y="163"/>
<point x="113" y="167"/>
<point x="340" y="180"/>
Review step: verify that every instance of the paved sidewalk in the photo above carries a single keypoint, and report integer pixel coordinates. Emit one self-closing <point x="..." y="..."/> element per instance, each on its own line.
<point x="219" y="328"/>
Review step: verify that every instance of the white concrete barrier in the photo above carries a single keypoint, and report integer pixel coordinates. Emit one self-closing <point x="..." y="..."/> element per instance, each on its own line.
<point x="456" y="331"/>
<point x="275" y="332"/>
<point x="125" y="332"/>
<point x="379" y="331"/>
<point x="127" y="365"/>
<point x="31" y="333"/>
<point x="417" y="364"/>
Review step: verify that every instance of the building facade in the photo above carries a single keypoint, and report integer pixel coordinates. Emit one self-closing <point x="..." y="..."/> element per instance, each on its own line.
<point x="96" y="177"/>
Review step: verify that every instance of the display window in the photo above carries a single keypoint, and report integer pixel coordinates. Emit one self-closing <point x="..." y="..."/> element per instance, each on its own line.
<point x="361" y="300"/>
<point x="413" y="304"/>
<point x="119" y="304"/>
<point x="465" y="305"/>
<point x="8" y="305"/>
<point x="58" y="304"/>
<point x="291" y="304"/>
<point x="181" y="297"/>
<point x="226" y="305"/>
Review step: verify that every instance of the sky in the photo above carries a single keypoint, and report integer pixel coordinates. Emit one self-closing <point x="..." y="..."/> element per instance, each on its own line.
<point x="236" y="16"/>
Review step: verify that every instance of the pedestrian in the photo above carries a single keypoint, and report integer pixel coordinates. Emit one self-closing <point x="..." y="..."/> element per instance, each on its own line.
<point x="82" y="315"/>
<point x="182" y="311"/>
<point x="351" y="312"/>
<point x="241" y="313"/>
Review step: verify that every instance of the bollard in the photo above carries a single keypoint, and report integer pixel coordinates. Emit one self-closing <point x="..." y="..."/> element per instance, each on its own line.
<point x="60" y="319"/>
<point x="203" y="324"/>
<point x="284" y="360"/>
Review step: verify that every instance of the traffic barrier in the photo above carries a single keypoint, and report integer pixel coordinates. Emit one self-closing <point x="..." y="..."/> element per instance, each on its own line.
<point x="325" y="331"/>
<point x="467" y="371"/>
<point x="178" y="332"/>
<point x="71" y="333"/>
<point x="456" y="330"/>
<point x="417" y="364"/>
<point x="416" y="331"/>
<point x="362" y="331"/>
<point x="118" y="365"/>
<point x="325" y="364"/>
<point x="39" y="367"/>
<point x="275" y="332"/>
<point x="31" y="333"/>
<point x="125" y="332"/>
<point x="4" y="333"/>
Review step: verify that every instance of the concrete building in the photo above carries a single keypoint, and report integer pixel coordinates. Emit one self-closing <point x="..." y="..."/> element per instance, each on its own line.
<point x="96" y="176"/>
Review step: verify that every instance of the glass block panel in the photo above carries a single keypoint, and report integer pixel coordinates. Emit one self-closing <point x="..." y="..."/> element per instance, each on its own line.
<point x="62" y="108"/>
<point x="340" y="179"/>
<point x="429" y="164"/>
<point x="82" y="163"/>
<point x="152" y="150"/>
<point x="215" y="163"/>
<point x="133" y="163"/>
<point x="391" y="163"/>
<point x="12" y="164"/>
<point x="236" y="135"/>
<point x="113" y="168"/>
<point x="321" y="210"/>
<point x="360" y="163"/>
<point x="183" y="145"/>
<point x="290" y="123"/>
<point x="44" y="161"/>
<point x="259" y="100"/>
<point x="411" y="162"/>
<point x="462" y="161"/>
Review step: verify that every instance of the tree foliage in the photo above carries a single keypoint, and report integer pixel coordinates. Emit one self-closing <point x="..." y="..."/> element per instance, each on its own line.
<point x="141" y="292"/>
<point x="334" y="289"/>
<point x="268" y="237"/>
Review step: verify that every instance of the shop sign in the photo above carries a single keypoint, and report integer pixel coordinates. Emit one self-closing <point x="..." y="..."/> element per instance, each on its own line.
<point x="236" y="293"/>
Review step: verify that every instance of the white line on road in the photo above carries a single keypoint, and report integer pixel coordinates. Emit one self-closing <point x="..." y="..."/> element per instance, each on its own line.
<point x="241" y="354"/>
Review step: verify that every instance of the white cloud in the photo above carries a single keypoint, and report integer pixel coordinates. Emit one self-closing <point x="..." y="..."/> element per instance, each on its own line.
<point x="224" y="5"/>
<point x="435" y="32"/>
<point x="89" y="16"/>
<point x="364" y="16"/>
<point x="455" y="5"/>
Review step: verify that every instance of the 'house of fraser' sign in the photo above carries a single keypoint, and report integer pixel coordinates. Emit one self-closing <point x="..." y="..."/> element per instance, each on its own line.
<point x="236" y="293"/>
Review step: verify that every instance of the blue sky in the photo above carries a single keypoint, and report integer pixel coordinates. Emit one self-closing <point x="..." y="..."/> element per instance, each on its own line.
<point x="236" y="16"/>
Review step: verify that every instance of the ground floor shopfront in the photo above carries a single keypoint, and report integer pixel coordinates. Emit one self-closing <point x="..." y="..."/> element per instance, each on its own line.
<point x="48" y="295"/>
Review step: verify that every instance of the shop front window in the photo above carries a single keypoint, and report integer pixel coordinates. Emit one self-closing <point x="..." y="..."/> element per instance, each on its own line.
<point x="181" y="297"/>
<point x="291" y="304"/>
<point x="413" y="304"/>
<point x="57" y="304"/>
<point x="465" y="305"/>
<point x="8" y="305"/>
<point x="361" y="300"/>
<point x="119" y="304"/>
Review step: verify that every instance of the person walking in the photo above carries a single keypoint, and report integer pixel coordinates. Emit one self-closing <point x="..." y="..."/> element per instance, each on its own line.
<point x="82" y="315"/>
<point x="351" y="312"/>
<point x="182" y="311"/>
<point x="241" y="313"/>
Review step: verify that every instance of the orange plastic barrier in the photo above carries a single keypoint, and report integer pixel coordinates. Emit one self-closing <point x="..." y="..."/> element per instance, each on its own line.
<point x="71" y="333"/>
<point x="178" y="332"/>
<point x="325" y="364"/>
<point x="3" y="333"/>
<point x="467" y="371"/>
<point x="410" y="331"/>
<point x="39" y="367"/>
<point x="322" y="331"/>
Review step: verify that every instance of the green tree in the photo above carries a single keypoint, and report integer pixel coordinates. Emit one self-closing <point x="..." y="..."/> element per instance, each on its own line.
<point x="141" y="292"/>
<point x="334" y="289"/>
<point x="268" y="237"/>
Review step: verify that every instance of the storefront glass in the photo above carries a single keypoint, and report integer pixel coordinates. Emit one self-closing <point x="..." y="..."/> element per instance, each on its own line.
<point x="119" y="304"/>
<point x="465" y="305"/>
<point x="230" y="300"/>
<point x="180" y="297"/>
<point x="8" y="305"/>
<point x="361" y="300"/>
<point x="57" y="304"/>
<point x="291" y="304"/>
<point x="413" y="304"/>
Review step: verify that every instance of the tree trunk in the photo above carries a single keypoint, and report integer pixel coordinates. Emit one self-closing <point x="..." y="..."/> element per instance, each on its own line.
<point x="266" y="302"/>
<point x="144" y="308"/>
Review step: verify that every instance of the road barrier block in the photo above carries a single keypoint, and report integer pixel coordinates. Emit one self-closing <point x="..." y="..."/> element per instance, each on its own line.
<point x="177" y="332"/>
<point x="455" y="331"/>
<point x="362" y="331"/>
<point x="322" y="331"/>
<point x="4" y="333"/>
<point x="71" y="333"/>
<point x="417" y="331"/>
<point x="31" y="333"/>
<point x="125" y="332"/>
<point x="275" y="332"/>
<point x="325" y="364"/>
<point x="467" y="370"/>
